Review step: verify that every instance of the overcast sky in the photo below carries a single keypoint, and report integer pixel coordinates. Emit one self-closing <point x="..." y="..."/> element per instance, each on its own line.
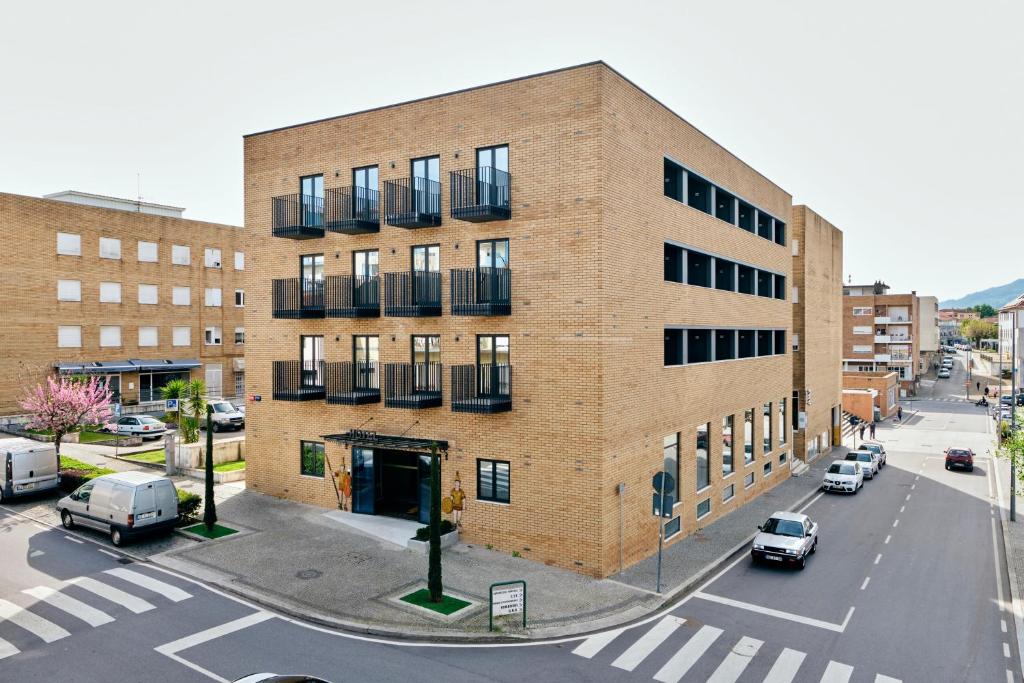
<point x="900" y="121"/>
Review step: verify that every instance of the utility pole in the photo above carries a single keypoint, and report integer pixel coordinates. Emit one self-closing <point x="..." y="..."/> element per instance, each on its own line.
<point x="1013" y="418"/>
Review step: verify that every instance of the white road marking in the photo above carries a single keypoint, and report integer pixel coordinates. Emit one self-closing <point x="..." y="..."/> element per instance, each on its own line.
<point x="879" y="678"/>
<point x="6" y="649"/>
<point x="688" y="655"/>
<point x="908" y="497"/>
<point x="808" y="621"/>
<point x="915" y="479"/>
<point x="888" y="538"/>
<point x="172" y="648"/>
<point x="595" y="643"/>
<point x="896" y="523"/>
<point x="75" y="608"/>
<point x="170" y="592"/>
<point x="36" y="553"/>
<point x="33" y="623"/>
<point x="107" y="552"/>
<point x="785" y="667"/>
<point x="878" y="558"/>
<point x="902" y="508"/>
<point x="647" y="643"/>
<point x="864" y="585"/>
<point x="999" y="571"/>
<point x="115" y="595"/>
<point x="837" y="673"/>
<point x="1002" y="625"/>
<point x="736" y="661"/>
<point x="40" y="526"/>
<point x="1009" y="676"/>
<point x="1006" y="650"/>
<point x="74" y="540"/>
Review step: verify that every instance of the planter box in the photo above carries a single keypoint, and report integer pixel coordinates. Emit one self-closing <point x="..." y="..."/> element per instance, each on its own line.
<point x="122" y="442"/>
<point x="218" y="477"/>
<point x="423" y="547"/>
<point x="192" y="456"/>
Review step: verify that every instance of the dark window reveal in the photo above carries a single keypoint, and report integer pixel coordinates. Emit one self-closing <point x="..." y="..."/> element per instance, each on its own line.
<point x="745" y="218"/>
<point x="674" y="347"/>
<point x="698" y="346"/>
<point x="724" y="206"/>
<point x="765" y="343"/>
<point x="698" y="269"/>
<point x="725" y="344"/>
<point x="725" y="275"/>
<point x="493" y="481"/>
<point x="746" y="283"/>
<point x="780" y="287"/>
<point x="764" y="283"/>
<point x="698" y="193"/>
<point x="764" y="225"/>
<point x="780" y="342"/>
<point x="674" y="263"/>
<point x="745" y="343"/>
<point x="674" y="181"/>
<point x="780" y="232"/>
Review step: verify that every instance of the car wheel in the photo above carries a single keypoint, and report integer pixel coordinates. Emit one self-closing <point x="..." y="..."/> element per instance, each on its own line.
<point x="801" y="563"/>
<point x="67" y="520"/>
<point x="856" y="489"/>
<point x="970" y="468"/>
<point x="116" y="538"/>
<point x="814" y="548"/>
<point x="215" y="427"/>
<point x="947" y="465"/>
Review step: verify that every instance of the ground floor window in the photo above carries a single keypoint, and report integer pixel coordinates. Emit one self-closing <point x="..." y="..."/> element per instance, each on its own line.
<point x="672" y="527"/>
<point x="728" y="492"/>
<point x="150" y="383"/>
<point x="240" y="385"/>
<point x="704" y="508"/>
<point x="311" y="459"/>
<point x="748" y="480"/>
<point x="783" y="456"/>
<point x="493" y="481"/>
<point x="767" y="468"/>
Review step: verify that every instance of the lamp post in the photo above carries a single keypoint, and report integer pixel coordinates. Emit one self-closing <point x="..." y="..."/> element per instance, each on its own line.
<point x="1013" y="418"/>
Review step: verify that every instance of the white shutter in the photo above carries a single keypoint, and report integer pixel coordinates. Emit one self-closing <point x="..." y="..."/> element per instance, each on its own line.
<point x="110" y="335"/>
<point x="69" y="337"/>
<point x="181" y="336"/>
<point x="239" y="260"/>
<point x="148" y="252"/>
<point x="110" y="292"/>
<point x="148" y="294"/>
<point x="181" y="296"/>
<point x="213" y="296"/>
<point x="213" y="336"/>
<point x="69" y="244"/>
<point x="69" y="290"/>
<point x="181" y="255"/>
<point x="110" y="248"/>
<point x="212" y="257"/>
<point x="148" y="336"/>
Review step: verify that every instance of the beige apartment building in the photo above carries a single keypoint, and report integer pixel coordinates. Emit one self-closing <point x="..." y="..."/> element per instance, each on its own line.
<point x="127" y="291"/>
<point x="928" y="325"/>
<point x="881" y="333"/>
<point x="557" y="280"/>
<point x="817" y="248"/>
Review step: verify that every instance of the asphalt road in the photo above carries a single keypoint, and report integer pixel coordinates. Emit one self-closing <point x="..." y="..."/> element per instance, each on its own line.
<point x="908" y="585"/>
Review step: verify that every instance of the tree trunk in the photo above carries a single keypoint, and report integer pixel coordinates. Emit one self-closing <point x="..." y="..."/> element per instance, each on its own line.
<point x="57" y="436"/>
<point x="434" y="558"/>
<point x="210" y="508"/>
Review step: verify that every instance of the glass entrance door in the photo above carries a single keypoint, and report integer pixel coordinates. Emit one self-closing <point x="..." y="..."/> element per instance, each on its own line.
<point x="425" y="259"/>
<point x="492" y="180"/>
<point x="311" y="190"/>
<point x="311" y="272"/>
<point x="364" y="490"/>
<point x="426" y="185"/>
<point x="364" y="194"/>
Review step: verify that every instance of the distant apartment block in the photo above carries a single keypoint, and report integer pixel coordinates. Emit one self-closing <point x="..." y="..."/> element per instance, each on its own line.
<point x="126" y="291"/>
<point x="881" y="333"/>
<point x="928" y="325"/>
<point x="1011" y="320"/>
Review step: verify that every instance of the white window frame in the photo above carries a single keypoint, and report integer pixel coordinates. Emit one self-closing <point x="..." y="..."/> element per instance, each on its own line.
<point x="211" y="257"/>
<point x="212" y="297"/>
<point x="864" y="311"/>
<point x="237" y="298"/>
<point x="239" y="260"/>
<point x="863" y="329"/>
<point x="69" y="244"/>
<point x="69" y="336"/>
<point x="107" y="297"/>
<point x="149" y="252"/>
<point x="795" y="338"/>
<point x="176" y="296"/>
<point x="239" y="331"/>
<point x="178" y="332"/>
<point x="212" y="336"/>
<point x="149" y="336"/>
<point x="110" y="248"/>
<point x="149" y="288"/>
<point x="863" y="348"/>
<point x="181" y="255"/>
<point x="106" y="340"/>
<point x="69" y="290"/>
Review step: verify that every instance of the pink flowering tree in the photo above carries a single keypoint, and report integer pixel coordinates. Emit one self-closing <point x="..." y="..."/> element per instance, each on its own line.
<point x="64" y="403"/>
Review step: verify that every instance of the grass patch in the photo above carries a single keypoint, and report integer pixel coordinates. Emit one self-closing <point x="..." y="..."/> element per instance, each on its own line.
<point x="67" y="463"/>
<point x="154" y="456"/>
<point x="93" y="437"/>
<point x="448" y="604"/>
<point x="218" y="531"/>
<point x="230" y="466"/>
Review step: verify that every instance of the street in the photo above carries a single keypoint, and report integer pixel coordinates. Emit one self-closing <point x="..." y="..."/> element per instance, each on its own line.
<point x="908" y="585"/>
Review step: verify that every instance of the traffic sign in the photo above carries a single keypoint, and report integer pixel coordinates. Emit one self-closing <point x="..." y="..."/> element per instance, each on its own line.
<point x="664" y="479"/>
<point x="507" y="597"/>
<point x="171" y="405"/>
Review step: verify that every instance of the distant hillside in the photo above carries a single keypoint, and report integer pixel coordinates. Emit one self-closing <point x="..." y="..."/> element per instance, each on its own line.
<point x="993" y="296"/>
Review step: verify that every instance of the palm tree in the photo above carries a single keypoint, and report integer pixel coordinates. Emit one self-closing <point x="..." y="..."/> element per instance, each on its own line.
<point x="175" y="389"/>
<point x="195" y="407"/>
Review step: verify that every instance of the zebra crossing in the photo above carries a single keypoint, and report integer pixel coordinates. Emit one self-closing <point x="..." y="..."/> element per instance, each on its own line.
<point x="656" y="645"/>
<point x="105" y="588"/>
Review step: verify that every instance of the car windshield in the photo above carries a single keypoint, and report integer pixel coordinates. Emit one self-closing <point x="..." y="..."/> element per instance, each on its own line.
<point x="223" y="408"/>
<point x="842" y="468"/>
<point x="958" y="452"/>
<point x="783" y="527"/>
<point x="150" y="420"/>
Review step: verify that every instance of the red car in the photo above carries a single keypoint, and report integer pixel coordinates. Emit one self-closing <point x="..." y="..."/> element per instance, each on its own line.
<point x="960" y="457"/>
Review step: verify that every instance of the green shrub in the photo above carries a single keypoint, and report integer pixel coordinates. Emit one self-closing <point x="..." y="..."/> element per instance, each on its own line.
<point x="423" y="533"/>
<point x="188" y="506"/>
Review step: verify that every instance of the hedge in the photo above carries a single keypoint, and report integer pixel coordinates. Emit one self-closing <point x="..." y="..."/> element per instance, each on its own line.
<point x="188" y="507"/>
<point x="423" y="533"/>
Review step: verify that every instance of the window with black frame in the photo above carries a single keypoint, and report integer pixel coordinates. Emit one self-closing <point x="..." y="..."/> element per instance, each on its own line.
<point x="493" y="481"/>
<point x="311" y="459"/>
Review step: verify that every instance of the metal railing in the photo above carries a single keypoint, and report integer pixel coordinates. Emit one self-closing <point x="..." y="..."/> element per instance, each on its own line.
<point x="481" y="194"/>
<point x="412" y="385"/>
<point x="296" y="380"/>
<point x="481" y="388"/>
<point x="412" y="202"/>
<point x="352" y="382"/>
<point x="481" y="291"/>
<point x="352" y="296"/>
<point x="412" y="293"/>
<point x="352" y="210"/>
<point x="298" y="215"/>
<point x="298" y="298"/>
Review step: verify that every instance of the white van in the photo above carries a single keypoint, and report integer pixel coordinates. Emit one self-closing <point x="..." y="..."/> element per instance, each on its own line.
<point x="123" y="504"/>
<point x="225" y="416"/>
<point x="27" y="466"/>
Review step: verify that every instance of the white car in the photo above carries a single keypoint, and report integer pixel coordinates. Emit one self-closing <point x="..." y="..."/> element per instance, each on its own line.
<point x="137" y="425"/>
<point x="843" y="476"/>
<point x="876" y="448"/>
<point x="786" y="538"/>
<point x="868" y="462"/>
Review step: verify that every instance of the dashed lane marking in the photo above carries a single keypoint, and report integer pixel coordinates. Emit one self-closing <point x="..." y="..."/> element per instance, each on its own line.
<point x="878" y="558"/>
<point x="888" y="538"/>
<point x="74" y="540"/>
<point x="864" y="585"/>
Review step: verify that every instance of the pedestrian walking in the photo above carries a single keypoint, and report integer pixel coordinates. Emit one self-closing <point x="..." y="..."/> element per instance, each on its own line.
<point x="978" y="384"/>
<point x="862" y="431"/>
<point x="899" y="414"/>
<point x="872" y="429"/>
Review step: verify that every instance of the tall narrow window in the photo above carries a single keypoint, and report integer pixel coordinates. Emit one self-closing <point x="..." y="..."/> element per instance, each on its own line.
<point x="703" y="471"/>
<point x="780" y="232"/>
<point x="764" y="225"/>
<point x="312" y="349"/>
<point x="782" y="422"/>
<point x="745" y="218"/>
<point x="765" y="342"/>
<point x="311" y="189"/>
<point x="725" y="344"/>
<point x="745" y="340"/>
<point x="366" y="354"/>
<point x="698" y="193"/>
<point x="725" y="275"/>
<point x="674" y="346"/>
<point x="766" y="426"/>
<point x="670" y="459"/>
<point x="674" y="263"/>
<point x="674" y="181"/>
<point x="698" y="269"/>
<point x="492" y="357"/>
<point x="492" y="175"/>
<point x="491" y="260"/>
<point x="727" y="464"/>
<point x="426" y="184"/>
<point x="311" y="459"/>
<point x="311" y="274"/>
<point x="724" y="206"/>
<point x="748" y="436"/>
<point x="366" y="264"/>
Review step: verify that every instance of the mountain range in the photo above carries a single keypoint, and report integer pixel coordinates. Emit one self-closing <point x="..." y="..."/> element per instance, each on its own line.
<point x="993" y="296"/>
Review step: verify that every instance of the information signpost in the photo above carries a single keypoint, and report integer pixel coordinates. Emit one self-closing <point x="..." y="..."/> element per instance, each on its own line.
<point x="507" y="597"/>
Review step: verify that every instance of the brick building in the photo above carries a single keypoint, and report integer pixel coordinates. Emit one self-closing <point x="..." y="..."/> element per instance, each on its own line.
<point x="124" y="290"/>
<point x="817" y="248"/>
<point x="880" y="333"/>
<point x="556" y="279"/>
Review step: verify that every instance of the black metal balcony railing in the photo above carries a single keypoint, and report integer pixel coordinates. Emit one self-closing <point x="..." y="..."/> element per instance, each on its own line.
<point x="298" y="216"/>
<point x="296" y="380"/>
<point x="481" y="291"/>
<point x="481" y="388"/>
<point x="352" y="210"/>
<point x="412" y="385"/>
<point x="352" y="383"/>
<point x="296" y="298"/>
<point x="352" y="296"/>
<point x="481" y="194"/>
<point x="412" y="294"/>
<point x="412" y="203"/>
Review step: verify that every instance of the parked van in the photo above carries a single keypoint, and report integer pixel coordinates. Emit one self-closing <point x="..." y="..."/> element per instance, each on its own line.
<point x="123" y="504"/>
<point x="27" y="466"/>
<point x="225" y="416"/>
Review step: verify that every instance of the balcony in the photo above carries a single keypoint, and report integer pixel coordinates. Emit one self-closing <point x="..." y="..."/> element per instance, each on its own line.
<point x="412" y="203"/>
<point x="882" y="357"/>
<point x="298" y="380"/>
<point x="297" y="298"/>
<point x="881" y="320"/>
<point x="413" y="294"/>
<point x="481" y="291"/>
<point x="897" y="358"/>
<point x="882" y="338"/>
<point x="412" y="385"/>
<point x="352" y="383"/>
<point x="482" y="389"/>
<point x="352" y="296"/>
<point x="298" y="216"/>
<point x="481" y="194"/>
<point x="352" y="210"/>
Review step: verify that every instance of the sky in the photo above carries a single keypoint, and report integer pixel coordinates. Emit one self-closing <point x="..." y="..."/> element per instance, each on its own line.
<point x="900" y="121"/>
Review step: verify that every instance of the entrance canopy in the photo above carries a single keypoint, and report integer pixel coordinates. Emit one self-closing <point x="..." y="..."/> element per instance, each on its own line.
<point x="365" y="439"/>
<point x="126" y="366"/>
